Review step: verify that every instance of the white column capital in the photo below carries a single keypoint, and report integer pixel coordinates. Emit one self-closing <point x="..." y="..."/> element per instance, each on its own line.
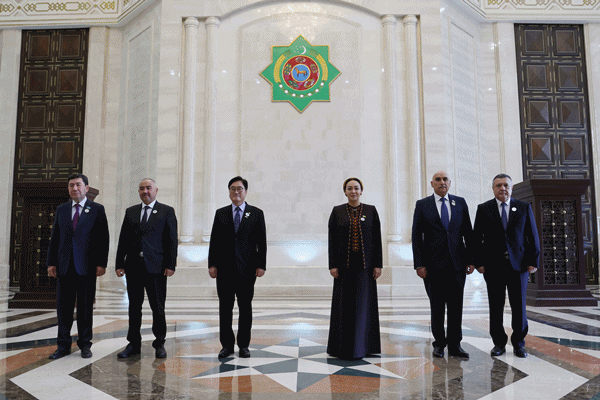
<point x="212" y="21"/>
<point x="389" y="20"/>
<point x="191" y="22"/>
<point x="410" y="20"/>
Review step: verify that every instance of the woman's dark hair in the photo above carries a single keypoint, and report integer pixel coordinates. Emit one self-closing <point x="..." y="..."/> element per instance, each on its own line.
<point x="353" y="179"/>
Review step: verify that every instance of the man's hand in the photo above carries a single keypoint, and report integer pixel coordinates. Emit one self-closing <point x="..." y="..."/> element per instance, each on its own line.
<point x="52" y="271"/>
<point x="376" y="272"/>
<point x="532" y="269"/>
<point x="100" y="271"/>
<point x="212" y="272"/>
<point x="334" y="272"/>
<point x="169" y="272"/>
<point x="422" y="272"/>
<point x="120" y="272"/>
<point x="481" y="270"/>
<point x="260" y="272"/>
<point x="470" y="269"/>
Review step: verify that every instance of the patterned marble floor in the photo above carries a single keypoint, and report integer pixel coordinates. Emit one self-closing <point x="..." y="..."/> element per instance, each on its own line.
<point x="289" y="359"/>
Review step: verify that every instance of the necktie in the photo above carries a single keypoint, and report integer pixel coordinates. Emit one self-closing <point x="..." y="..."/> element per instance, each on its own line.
<point x="504" y="216"/>
<point x="145" y="218"/>
<point x="76" y="216"/>
<point x="444" y="214"/>
<point x="237" y="219"/>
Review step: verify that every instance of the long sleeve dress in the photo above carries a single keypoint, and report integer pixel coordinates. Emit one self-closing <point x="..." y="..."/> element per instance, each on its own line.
<point x="355" y="250"/>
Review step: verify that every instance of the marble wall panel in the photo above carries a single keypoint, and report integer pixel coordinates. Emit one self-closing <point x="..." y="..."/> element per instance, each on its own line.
<point x="296" y="162"/>
<point x="465" y="102"/>
<point x="102" y="151"/>
<point x="139" y="106"/>
<point x="10" y="50"/>
<point x="592" y="42"/>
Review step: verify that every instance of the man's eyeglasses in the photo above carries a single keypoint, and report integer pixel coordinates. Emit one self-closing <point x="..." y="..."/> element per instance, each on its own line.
<point x="236" y="189"/>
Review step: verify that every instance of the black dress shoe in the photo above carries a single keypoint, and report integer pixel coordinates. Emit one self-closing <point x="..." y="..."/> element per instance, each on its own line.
<point x="86" y="352"/>
<point x="498" y="351"/>
<point x="161" y="352"/>
<point x="457" y="351"/>
<point x="129" y="351"/>
<point x="225" y="352"/>
<point x="59" y="353"/>
<point x="520" y="352"/>
<point x="438" y="352"/>
<point x="244" y="352"/>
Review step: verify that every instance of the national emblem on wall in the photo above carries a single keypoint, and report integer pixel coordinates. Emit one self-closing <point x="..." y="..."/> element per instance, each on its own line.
<point x="300" y="73"/>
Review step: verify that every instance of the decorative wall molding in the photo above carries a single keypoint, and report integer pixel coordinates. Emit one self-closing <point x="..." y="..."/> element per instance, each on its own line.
<point x="64" y="13"/>
<point x="535" y="10"/>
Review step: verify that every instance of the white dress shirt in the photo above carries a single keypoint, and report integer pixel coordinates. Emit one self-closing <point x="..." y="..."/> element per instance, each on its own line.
<point x="242" y="209"/>
<point x="151" y="205"/>
<point x="81" y="205"/>
<point x="507" y="208"/>
<point x="438" y="204"/>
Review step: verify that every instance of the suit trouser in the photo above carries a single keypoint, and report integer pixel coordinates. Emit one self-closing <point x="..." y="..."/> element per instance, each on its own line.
<point x="70" y="288"/>
<point x="138" y="279"/>
<point x="228" y="288"/>
<point x="499" y="280"/>
<point x="445" y="289"/>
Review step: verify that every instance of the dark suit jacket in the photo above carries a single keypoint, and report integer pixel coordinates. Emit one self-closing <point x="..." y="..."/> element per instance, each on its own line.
<point x="433" y="246"/>
<point x="88" y="243"/>
<point x="157" y="239"/>
<point x="521" y="238"/>
<point x="339" y="236"/>
<point x="244" y="251"/>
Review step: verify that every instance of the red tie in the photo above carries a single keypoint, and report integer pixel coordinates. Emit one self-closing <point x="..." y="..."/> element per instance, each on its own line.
<point x="76" y="216"/>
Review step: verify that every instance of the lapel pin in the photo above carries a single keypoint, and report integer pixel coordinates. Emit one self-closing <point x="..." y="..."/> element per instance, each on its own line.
<point x="513" y="209"/>
<point x="153" y="211"/>
<point x="453" y="202"/>
<point x="247" y="214"/>
<point x="87" y="210"/>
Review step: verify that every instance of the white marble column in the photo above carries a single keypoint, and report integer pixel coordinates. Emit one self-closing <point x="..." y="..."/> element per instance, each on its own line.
<point x="415" y="147"/>
<point x="592" y="55"/>
<point x="509" y="119"/>
<point x="391" y="124"/>
<point x="10" y="50"/>
<point x="210" y="135"/>
<point x="186" y="234"/>
<point x="95" y="110"/>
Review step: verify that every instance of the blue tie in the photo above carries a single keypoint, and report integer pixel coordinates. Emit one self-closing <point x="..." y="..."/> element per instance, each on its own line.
<point x="504" y="216"/>
<point x="145" y="217"/>
<point x="236" y="219"/>
<point x="444" y="214"/>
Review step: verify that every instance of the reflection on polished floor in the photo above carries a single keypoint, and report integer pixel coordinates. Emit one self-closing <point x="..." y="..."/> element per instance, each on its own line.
<point x="288" y="355"/>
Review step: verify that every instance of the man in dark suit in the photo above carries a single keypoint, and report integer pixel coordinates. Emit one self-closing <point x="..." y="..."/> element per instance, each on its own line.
<point x="508" y="251"/>
<point x="237" y="255"/>
<point x="78" y="253"/>
<point x="442" y="244"/>
<point x="147" y="255"/>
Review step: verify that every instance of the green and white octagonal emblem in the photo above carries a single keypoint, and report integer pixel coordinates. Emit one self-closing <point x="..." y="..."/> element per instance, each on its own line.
<point x="300" y="73"/>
